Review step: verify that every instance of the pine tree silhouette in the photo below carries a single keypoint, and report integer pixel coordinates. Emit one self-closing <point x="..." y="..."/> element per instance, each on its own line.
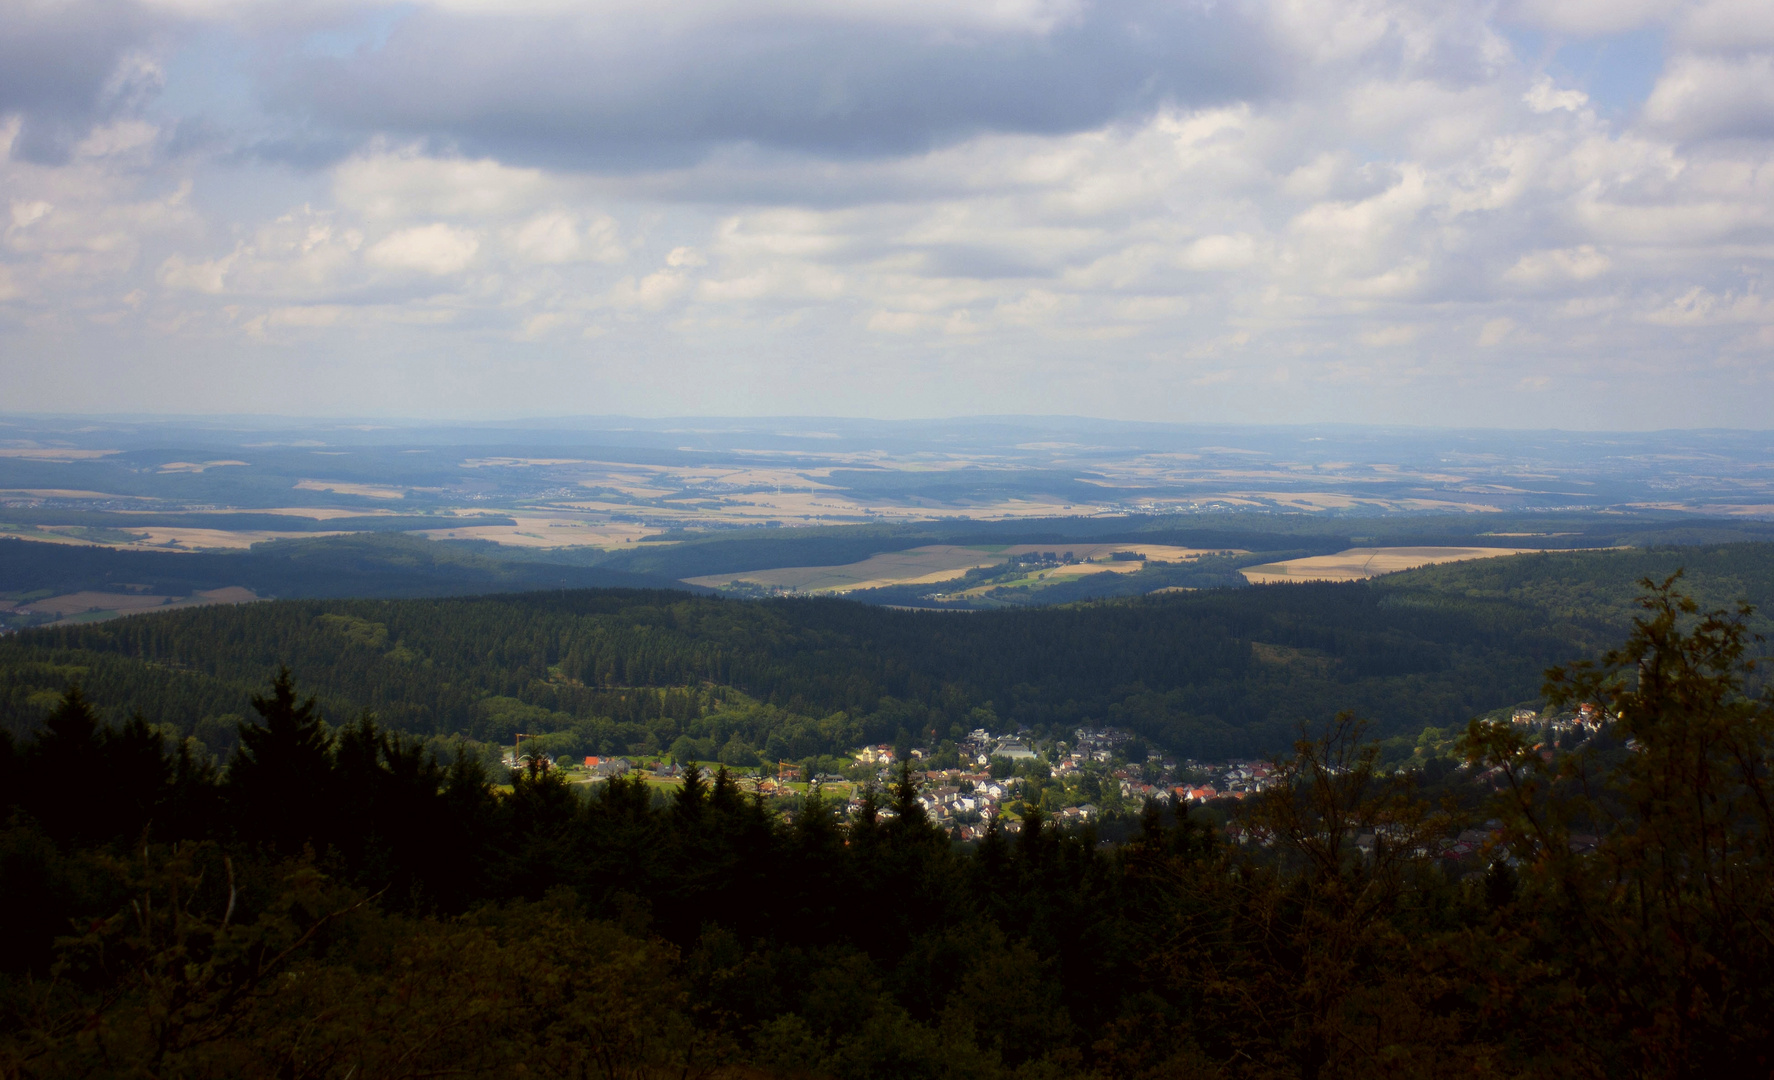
<point x="85" y="783"/>
<point x="55" y="767"/>
<point x="280" y="780"/>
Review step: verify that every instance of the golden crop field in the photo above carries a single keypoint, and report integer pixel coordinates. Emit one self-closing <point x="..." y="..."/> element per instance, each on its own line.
<point x="127" y="603"/>
<point x="1358" y="564"/>
<point x="936" y="563"/>
<point x="917" y="566"/>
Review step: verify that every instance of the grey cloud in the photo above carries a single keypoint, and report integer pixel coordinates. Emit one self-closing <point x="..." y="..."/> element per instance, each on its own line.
<point x="59" y="70"/>
<point x="567" y="92"/>
<point x="1714" y="97"/>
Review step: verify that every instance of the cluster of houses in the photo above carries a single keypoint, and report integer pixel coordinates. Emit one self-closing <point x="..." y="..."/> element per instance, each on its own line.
<point x="1587" y="718"/>
<point x="1233" y="780"/>
<point x="959" y="798"/>
<point x="881" y="755"/>
<point x="600" y="768"/>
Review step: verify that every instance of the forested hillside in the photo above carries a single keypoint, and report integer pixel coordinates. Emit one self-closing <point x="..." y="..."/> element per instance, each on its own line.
<point x="361" y="565"/>
<point x="1209" y="673"/>
<point x="340" y="904"/>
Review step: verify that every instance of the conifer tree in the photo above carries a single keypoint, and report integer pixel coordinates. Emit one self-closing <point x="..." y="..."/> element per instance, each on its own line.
<point x="281" y="778"/>
<point x="70" y="735"/>
<point x="133" y="777"/>
<point x="687" y="804"/>
<point x="909" y="818"/>
<point x="87" y="784"/>
<point x="10" y="778"/>
<point x="54" y="766"/>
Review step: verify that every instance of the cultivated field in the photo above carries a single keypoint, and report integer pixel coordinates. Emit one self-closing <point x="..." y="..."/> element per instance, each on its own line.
<point x="1358" y="564"/>
<point x="554" y="531"/>
<point x="85" y="606"/>
<point x="918" y="566"/>
<point x="370" y="491"/>
<point x="937" y="563"/>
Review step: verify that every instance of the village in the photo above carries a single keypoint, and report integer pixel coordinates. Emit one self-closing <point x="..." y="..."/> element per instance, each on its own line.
<point x="1098" y="777"/>
<point x="987" y="777"/>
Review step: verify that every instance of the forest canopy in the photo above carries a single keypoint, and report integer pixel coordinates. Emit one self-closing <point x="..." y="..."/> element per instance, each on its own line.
<point x="1212" y="673"/>
<point x="340" y="903"/>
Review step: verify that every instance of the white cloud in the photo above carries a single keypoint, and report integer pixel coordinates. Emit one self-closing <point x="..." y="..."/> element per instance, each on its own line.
<point x="1398" y="196"/>
<point x="1546" y="267"/>
<point x="436" y="249"/>
<point x="1593" y="17"/>
<point x="27" y="214"/>
<point x="558" y="237"/>
<point x="1495" y="331"/>
<point x="204" y="277"/>
<point x="1220" y="253"/>
<point x="1022" y="16"/>
<point x="1544" y="97"/>
<point x="409" y="184"/>
<point x="1700" y="307"/>
<point x="1388" y="336"/>
<point x="900" y="322"/>
<point x="1726" y="25"/>
<point x="650" y="293"/>
<point x="1700" y="97"/>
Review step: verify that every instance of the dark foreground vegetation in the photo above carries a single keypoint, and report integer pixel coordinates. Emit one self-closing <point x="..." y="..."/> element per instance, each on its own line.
<point x="340" y="904"/>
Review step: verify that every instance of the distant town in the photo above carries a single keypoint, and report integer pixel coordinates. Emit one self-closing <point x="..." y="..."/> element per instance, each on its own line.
<point x="1095" y="776"/>
<point x="987" y="776"/>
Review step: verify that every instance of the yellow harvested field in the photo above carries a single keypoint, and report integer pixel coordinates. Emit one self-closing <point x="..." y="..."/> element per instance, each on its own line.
<point x="195" y="466"/>
<point x="233" y="594"/>
<point x="317" y="513"/>
<point x="175" y="537"/>
<point x="1711" y="509"/>
<point x="941" y="562"/>
<point x="39" y="453"/>
<point x="918" y="566"/>
<point x="367" y="490"/>
<point x="74" y="603"/>
<point x="69" y="493"/>
<point x="548" y="532"/>
<point x="1359" y="564"/>
<point x="81" y="603"/>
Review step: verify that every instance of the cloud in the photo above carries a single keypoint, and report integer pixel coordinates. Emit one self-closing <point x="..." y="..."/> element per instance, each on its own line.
<point x="1700" y="307"/>
<point x="631" y="84"/>
<point x="1140" y="208"/>
<point x="68" y="64"/>
<point x="1495" y="331"/>
<point x="1726" y="26"/>
<point x="1540" y="268"/>
<point x="436" y="249"/>
<point x="1389" y="336"/>
<point x="1543" y="97"/>
<point x="1709" y="97"/>
<point x="558" y="237"/>
<point x="1592" y="18"/>
<point x="408" y="184"/>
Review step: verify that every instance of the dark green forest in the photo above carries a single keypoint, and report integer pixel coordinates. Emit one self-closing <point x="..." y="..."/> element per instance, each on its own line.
<point x="341" y="903"/>
<point x="1206" y="674"/>
<point x="361" y="565"/>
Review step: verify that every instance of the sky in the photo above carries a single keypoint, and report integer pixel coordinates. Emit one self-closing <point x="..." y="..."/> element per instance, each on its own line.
<point x="1557" y="213"/>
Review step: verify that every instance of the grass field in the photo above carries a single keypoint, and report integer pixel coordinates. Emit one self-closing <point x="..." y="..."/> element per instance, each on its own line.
<point x="1358" y="564"/>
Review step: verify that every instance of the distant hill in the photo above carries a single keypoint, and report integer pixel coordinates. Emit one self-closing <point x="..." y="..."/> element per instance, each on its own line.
<point x="1208" y="673"/>
<point x="370" y="564"/>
